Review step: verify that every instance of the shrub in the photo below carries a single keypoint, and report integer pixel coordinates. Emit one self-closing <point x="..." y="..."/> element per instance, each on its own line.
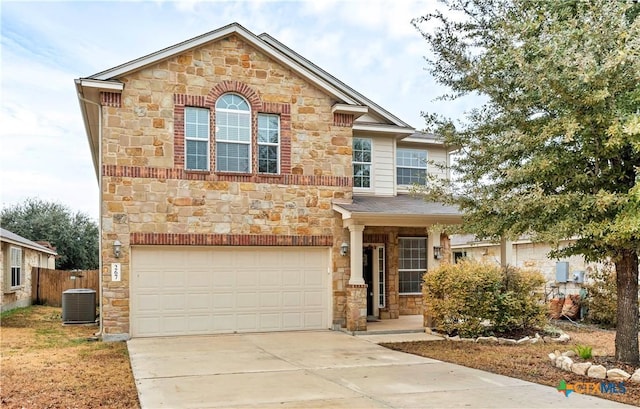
<point x="473" y="299"/>
<point x="602" y="296"/>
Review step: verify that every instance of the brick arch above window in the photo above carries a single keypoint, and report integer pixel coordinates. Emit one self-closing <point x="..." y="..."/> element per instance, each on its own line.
<point x="257" y="106"/>
<point x="237" y="87"/>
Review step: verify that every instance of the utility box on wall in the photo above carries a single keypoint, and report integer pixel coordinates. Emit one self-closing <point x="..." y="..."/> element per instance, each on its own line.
<point x="562" y="271"/>
<point x="578" y="277"/>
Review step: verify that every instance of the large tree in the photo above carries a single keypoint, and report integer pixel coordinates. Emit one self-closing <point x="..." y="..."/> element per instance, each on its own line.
<point x="75" y="235"/>
<point x="553" y="149"/>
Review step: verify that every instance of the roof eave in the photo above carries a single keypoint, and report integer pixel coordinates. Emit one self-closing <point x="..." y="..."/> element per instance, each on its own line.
<point x="88" y="92"/>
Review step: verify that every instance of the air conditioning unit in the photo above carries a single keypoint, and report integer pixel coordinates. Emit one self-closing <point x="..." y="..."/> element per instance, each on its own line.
<point x="79" y="306"/>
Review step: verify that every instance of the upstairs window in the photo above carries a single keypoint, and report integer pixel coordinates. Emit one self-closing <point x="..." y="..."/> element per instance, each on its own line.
<point x="196" y="135"/>
<point x="362" y="162"/>
<point x="411" y="166"/>
<point x="233" y="134"/>
<point x="15" y="261"/>
<point x="268" y="143"/>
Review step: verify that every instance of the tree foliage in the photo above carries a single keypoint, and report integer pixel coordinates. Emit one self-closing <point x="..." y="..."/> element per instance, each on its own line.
<point x="74" y="235"/>
<point x="555" y="149"/>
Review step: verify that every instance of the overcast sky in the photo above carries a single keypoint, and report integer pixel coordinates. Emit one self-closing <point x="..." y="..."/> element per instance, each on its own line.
<point x="370" y="45"/>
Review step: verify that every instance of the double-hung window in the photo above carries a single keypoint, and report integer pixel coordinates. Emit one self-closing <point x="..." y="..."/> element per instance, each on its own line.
<point x="362" y="162"/>
<point x="196" y="135"/>
<point x="268" y="143"/>
<point x="412" y="264"/>
<point x="411" y="166"/>
<point x="15" y="261"/>
<point x="233" y="134"/>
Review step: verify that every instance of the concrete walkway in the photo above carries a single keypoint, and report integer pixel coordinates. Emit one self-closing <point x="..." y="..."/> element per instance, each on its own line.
<point x="320" y="369"/>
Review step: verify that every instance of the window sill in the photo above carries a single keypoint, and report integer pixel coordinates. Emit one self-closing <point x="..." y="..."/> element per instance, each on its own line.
<point x="409" y="294"/>
<point x="13" y="290"/>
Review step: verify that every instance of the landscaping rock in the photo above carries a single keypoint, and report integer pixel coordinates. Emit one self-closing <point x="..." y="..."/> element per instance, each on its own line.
<point x="567" y="363"/>
<point x="535" y="340"/>
<point x="570" y="354"/>
<point x="581" y="368"/>
<point x="552" y="357"/>
<point x="636" y="376"/>
<point x="559" y="360"/>
<point x="564" y="338"/>
<point x="597" y="372"/>
<point x="455" y="339"/>
<point x="616" y="374"/>
<point x="503" y="341"/>
<point x="468" y="339"/>
<point x="487" y="340"/>
<point x="523" y="340"/>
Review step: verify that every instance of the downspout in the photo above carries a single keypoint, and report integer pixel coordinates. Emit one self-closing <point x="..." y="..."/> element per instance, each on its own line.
<point x="99" y="206"/>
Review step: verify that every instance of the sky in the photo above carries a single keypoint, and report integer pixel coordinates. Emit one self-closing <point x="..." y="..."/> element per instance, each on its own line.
<point x="370" y="45"/>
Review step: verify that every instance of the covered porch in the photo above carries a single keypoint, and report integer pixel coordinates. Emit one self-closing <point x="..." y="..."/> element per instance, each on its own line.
<point x="393" y="241"/>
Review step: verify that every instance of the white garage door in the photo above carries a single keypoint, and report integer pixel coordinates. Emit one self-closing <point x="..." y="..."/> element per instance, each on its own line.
<point x="204" y="290"/>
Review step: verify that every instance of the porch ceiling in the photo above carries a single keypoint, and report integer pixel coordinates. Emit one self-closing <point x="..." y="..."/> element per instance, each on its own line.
<point x="401" y="210"/>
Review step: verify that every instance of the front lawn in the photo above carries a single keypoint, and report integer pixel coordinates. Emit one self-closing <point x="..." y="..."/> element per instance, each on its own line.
<point x="527" y="362"/>
<point x="48" y="365"/>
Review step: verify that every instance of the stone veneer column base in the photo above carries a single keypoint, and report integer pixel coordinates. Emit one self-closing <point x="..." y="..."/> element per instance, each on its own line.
<point x="356" y="307"/>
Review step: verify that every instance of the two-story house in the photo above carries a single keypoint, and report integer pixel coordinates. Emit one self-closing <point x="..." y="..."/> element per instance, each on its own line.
<point x="243" y="188"/>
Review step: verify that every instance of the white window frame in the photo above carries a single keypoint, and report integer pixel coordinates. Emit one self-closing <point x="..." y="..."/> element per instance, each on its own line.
<point x="15" y="262"/>
<point x="219" y="139"/>
<point x="422" y="271"/>
<point x="276" y="144"/>
<point x="419" y="166"/>
<point x="370" y="164"/>
<point x="197" y="138"/>
<point x="382" y="297"/>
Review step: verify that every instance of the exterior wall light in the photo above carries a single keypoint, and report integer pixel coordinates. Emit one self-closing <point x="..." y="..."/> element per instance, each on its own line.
<point x="437" y="252"/>
<point x="116" y="248"/>
<point x="344" y="248"/>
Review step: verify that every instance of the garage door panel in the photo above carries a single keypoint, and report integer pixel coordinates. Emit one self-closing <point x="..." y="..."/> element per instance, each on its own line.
<point x="204" y="290"/>
<point x="246" y="300"/>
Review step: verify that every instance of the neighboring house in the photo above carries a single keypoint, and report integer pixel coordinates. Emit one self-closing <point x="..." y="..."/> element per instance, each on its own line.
<point x="565" y="275"/>
<point x="243" y="188"/>
<point x="17" y="257"/>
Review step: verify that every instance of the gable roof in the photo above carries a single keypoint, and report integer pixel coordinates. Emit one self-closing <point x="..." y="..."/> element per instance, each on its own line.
<point x="10" y="237"/>
<point x="89" y="88"/>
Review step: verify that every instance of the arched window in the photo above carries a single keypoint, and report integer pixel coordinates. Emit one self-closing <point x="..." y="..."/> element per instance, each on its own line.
<point x="233" y="134"/>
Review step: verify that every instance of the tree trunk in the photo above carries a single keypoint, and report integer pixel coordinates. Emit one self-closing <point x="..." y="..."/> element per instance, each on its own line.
<point x="627" y="288"/>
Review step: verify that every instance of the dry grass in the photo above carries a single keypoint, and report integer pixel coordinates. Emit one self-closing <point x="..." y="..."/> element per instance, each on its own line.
<point x="527" y="362"/>
<point x="48" y="365"/>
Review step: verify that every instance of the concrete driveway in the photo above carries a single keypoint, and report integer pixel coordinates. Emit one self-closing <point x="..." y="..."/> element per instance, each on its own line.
<point x="320" y="369"/>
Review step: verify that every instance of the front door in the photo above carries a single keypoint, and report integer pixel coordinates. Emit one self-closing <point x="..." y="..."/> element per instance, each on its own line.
<point x="367" y="273"/>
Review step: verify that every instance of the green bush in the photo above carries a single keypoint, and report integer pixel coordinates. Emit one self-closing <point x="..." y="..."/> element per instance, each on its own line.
<point x="472" y="299"/>
<point x="602" y="296"/>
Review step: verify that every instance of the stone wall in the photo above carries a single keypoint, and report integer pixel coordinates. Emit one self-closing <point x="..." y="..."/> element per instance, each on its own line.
<point x="148" y="195"/>
<point x="21" y="296"/>
<point x="356" y="307"/>
<point x="410" y="304"/>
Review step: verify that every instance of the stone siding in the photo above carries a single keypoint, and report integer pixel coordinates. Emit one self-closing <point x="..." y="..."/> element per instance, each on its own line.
<point x="147" y="191"/>
<point x="21" y="296"/>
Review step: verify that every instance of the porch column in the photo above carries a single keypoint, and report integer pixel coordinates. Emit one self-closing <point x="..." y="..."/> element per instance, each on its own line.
<point x="506" y="252"/>
<point x="356" y="277"/>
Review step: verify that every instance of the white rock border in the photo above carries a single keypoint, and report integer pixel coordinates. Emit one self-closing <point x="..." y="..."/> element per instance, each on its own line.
<point x="563" y="361"/>
<point x="563" y="338"/>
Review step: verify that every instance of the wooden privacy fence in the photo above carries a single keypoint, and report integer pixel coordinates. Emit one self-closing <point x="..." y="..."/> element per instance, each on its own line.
<point x="47" y="285"/>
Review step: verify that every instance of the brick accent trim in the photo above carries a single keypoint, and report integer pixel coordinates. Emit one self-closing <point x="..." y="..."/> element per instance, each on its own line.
<point x="356" y="286"/>
<point x="145" y="172"/>
<point x="257" y="106"/>
<point x="375" y="238"/>
<point x="111" y="99"/>
<point x="345" y="120"/>
<point x="206" y="239"/>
